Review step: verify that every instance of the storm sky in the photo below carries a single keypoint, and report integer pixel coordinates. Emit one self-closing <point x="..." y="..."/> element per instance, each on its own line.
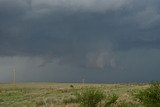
<point x="71" y="40"/>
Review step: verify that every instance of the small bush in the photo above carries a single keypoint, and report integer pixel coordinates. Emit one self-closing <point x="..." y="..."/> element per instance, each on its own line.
<point x="40" y="103"/>
<point x="90" y="97"/>
<point x="151" y="95"/>
<point x="111" y="99"/>
<point x="71" y="86"/>
<point x="1" y="100"/>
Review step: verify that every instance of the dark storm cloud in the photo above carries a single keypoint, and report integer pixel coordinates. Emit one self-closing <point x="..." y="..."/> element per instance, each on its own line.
<point x="87" y="34"/>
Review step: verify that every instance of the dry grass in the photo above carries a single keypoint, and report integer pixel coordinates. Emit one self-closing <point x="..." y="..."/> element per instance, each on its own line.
<point x="58" y="94"/>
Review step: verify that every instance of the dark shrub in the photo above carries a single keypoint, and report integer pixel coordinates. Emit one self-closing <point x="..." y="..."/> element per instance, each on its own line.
<point x="150" y="96"/>
<point x="71" y="86"/>
<point x="90" y="97"/>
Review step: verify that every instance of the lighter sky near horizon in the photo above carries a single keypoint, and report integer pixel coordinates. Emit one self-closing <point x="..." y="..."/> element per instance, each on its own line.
<point x="71" y="40"/>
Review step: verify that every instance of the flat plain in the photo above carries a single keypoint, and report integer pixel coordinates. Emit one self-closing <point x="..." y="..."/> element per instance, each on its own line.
<point x="60" y="94"/>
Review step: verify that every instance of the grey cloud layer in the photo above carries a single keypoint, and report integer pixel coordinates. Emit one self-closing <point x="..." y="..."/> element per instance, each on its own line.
<point x="24" y="29"/>
<point x="75" y="5"/>
<point x="86" y="34"/>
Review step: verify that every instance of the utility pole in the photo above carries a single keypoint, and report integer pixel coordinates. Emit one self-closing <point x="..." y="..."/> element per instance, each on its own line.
<point x="14" y="76"/>
<point x="83" y="80"/>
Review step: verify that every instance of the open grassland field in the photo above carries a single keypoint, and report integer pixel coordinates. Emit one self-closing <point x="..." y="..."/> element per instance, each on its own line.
<point x="63" y="94"/>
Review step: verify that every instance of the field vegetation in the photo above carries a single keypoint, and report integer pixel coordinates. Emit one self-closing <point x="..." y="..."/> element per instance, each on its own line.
<point x="78" y="95"/>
